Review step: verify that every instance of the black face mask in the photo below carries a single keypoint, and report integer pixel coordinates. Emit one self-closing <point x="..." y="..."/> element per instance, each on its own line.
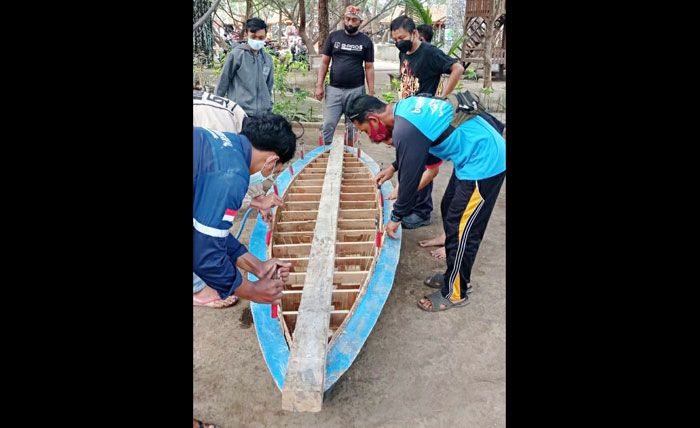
<point x="404" y="45"/>
<point x="350" y="29"/>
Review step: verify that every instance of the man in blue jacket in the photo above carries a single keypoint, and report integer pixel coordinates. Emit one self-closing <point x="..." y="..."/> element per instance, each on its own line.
<point x="223" y="165"/>
<point x="420" y="128"/>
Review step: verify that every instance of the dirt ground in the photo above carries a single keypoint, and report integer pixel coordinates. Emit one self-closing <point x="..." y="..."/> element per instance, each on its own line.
<point x="416" y="368"/>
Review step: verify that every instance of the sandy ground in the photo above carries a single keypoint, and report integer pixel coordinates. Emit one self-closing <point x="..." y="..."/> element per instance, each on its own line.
<point x="416" y="368"/>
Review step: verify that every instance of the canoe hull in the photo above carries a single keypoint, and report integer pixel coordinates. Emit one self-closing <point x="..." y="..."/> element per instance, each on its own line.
<point x="348" y="343"/>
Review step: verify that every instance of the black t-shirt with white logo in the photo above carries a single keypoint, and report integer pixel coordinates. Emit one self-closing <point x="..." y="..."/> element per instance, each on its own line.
<point x="427" y="63"/>
<point x="347" y="54"/>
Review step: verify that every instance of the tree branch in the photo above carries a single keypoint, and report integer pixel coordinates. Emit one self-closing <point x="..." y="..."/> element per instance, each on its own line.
<point x="206" y="15"/>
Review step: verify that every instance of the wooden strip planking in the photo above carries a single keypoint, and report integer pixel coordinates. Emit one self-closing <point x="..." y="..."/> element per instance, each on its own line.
<point x="303" y="385"/>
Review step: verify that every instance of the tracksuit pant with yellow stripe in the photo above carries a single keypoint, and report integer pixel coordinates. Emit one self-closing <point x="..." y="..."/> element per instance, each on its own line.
<point x="466" y="208"/>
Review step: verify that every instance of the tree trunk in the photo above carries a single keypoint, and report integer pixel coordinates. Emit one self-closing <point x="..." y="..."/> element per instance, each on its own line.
<point x="302" y="25"/>
<point x="248" y="9"/>
<point x="488" y="45"/>
<point x="322" y="24"/>
<point x="279" y="27"/>
<point x="202" y="30"/>
<point x="373" y="26"/>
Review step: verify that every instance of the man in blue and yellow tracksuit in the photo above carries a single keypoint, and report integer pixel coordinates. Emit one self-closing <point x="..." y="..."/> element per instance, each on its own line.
<point x="420" y="129"/>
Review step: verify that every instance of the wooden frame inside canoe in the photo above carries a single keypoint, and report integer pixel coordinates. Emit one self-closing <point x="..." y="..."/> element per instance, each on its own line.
<point x="363" y="274"/>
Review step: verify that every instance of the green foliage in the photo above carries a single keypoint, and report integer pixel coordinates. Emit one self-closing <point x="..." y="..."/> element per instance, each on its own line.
<point x="457" y="44"/>
<point x="395" y="84"/>
<point x="459" y="86"/>
<point x="419" y="13"/>
<point x="486" y="98"/>
<point x="471" y="74"/>
<point x="487" y="91"/>
<point x="388" y="97"/>
<point x="283" y="104"/>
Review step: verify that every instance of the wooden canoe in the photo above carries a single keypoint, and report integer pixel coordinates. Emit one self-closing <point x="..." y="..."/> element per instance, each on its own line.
<point x="363" y="274"/>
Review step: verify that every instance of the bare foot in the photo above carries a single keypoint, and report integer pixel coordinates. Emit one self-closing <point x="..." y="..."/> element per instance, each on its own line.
<point x="210" y="298"/>
<point x="435" y="242"/>
<point x="439" y="253"/>
<point x="199" y="424"/>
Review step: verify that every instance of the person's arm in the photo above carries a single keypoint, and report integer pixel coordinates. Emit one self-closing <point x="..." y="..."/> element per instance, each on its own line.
<point x="456" y="71"/>
<point x="431" y="171"/>
<point x="213" y="252"/>
<point x="411" y="153"/>
<point x="271" y="76"/>
<point x="369" y="72"/>
<point x="385" y="175"/>
<point x="439" y="60"/>
<point x="369" y="66"/>
<point x="262" y="269"/>
<point x="227" y="74"/>
<point x="264" y="203"/>
<point x="428" y="176"/>
<point x="322" y="70"/>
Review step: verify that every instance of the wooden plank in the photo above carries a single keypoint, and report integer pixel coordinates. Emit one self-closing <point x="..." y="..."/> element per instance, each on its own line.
<point x="305" y="205"/>
<point x="291" y="250"/>
<point x="368" y="196"/>
<point x="282" y="238"/>
<point x="362" y="249"/>
<point x="304" y="182"/>
<point x="339" y="277"/>
<point x="356" y="224"/>
<point x="303" y="215"/>
<point x="357" y="204"/>
<point x="305" y="237"/>
<point x="359" y="189"/>
<point x="355" y="176"/>
<point x="295" y="226"/>
<point x="305" y="189"/>
<point x="303" y="385"/>
<point x="355" y="214"/>
<point x="358" y="182"/>
<point x="293" y="197"/>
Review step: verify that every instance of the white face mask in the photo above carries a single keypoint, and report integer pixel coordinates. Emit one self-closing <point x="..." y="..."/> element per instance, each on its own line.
<point x="258" y="177"/>
<point x="256" y="44"/>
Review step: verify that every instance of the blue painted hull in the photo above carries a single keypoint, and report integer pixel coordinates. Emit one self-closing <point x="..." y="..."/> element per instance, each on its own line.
<point x="347" y="344"/>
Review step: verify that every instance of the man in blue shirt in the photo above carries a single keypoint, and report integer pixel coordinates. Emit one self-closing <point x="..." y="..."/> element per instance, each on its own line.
<point x="222" y="168"/>
<point x="419" y="127"/>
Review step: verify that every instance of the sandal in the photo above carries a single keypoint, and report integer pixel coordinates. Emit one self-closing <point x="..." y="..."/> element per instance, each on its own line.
<point x="216" y="302"/>
<point x="436" y="300"/>
<point x="438" y="281"/>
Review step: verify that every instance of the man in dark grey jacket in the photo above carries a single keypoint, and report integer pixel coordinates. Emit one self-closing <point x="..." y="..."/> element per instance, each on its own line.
<point x="247" y="76"/>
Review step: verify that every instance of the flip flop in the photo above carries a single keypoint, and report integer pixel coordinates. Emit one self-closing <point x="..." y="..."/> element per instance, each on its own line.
<point x="436" y="300"/>
<point x="216" y="303"/>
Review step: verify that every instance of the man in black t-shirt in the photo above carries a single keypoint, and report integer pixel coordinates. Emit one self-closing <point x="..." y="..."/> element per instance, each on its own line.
<point x="421" y="66"/>
<point x="347" y="49"/>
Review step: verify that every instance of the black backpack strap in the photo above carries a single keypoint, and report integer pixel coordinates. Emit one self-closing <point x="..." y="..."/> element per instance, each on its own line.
<point x="445" y="134"/>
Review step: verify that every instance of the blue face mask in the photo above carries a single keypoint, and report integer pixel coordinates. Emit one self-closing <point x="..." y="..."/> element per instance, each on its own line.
<point x="256" y="44"/>
<point x="258" y="178"/>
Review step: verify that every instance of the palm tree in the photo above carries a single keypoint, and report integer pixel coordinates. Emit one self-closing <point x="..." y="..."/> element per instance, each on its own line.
<point x="419" y="13"/>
